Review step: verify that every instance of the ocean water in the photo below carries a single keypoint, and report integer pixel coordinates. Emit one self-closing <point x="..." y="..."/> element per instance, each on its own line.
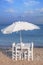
<point x="35" y="36"/>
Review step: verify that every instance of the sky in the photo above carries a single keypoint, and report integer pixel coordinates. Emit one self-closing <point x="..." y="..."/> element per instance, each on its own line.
<point x="17" y="10"/>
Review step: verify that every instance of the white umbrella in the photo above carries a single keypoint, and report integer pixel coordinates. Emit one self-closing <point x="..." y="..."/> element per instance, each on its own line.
<point x="17" y="26"/>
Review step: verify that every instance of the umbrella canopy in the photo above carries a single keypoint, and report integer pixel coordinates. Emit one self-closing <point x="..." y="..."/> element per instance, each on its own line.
<point x="17" y="26"/>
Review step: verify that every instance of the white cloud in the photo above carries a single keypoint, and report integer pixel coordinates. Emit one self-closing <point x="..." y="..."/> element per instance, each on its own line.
<point x="10" y="1"/>
<point x="39" y="10"/>
<point x="31" y="3"/>
<point x="34" y="12"/>
<point x="10" y="11"/>
<point x="29" y="12"/>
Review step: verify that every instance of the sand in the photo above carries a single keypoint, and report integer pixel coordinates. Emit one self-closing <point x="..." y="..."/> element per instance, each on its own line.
<point x="38" y="59"/>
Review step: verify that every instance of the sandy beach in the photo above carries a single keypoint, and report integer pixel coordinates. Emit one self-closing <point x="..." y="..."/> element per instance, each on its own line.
<point x="38" y="59"/>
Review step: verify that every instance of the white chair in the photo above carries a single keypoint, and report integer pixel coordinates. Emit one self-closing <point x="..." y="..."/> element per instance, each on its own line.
<point x="13" y="51"/>
<point x="22" y="51"/>
<point x="18" y="52"/>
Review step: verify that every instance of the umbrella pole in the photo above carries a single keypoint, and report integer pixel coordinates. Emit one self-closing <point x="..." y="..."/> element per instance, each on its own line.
<point x="20" y="37"/>
<point x="21" y="45"/>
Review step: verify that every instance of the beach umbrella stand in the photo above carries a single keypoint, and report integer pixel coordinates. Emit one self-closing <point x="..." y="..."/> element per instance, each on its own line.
<point x="20" y="26"/>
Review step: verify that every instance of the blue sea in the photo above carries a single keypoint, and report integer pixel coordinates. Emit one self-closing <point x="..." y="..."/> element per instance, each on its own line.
<point x="35" y="36"/>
